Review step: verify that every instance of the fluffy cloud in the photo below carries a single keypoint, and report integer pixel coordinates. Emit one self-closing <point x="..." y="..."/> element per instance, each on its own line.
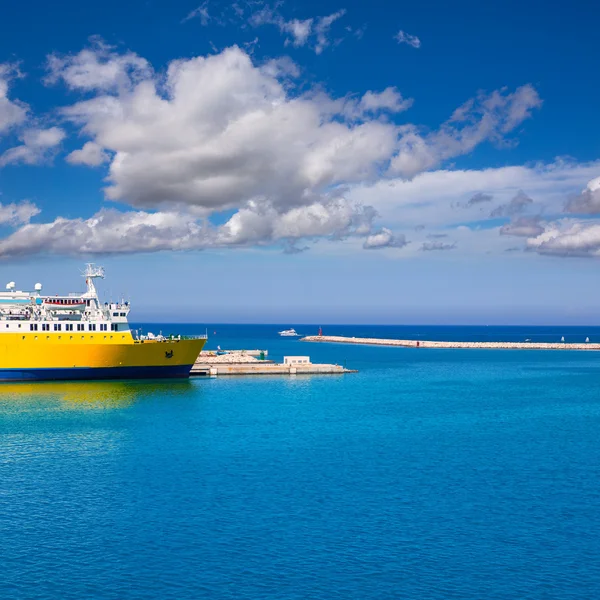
<point x="488" y="117"/>
<point x="390" y="99"/>
<point x="568" y="238"/>
<point x="37" y="146"/>
<point x="90" y="155"/>
<point x="588" y="201"/>
<point x="515" y="206"/>
<point x="114" y="232"/>
<point x="226" y="132"/>
<point x="107" y="232"/>
<point x="523" y="227"/>
<point x="384" y="239"/>
<point x="405" y="38"/>
<point x="218" y="131"/>
<point x="17" y="213"/>
<point x="98" y="69"/>
<point x="256" y="223"/>
<point x="12" y="112"/>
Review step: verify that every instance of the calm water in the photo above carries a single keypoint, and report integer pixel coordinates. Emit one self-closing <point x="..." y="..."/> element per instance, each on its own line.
<point x="429" y="474"/>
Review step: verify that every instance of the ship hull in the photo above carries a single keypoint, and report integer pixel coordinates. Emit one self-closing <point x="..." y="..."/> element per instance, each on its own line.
<point x="97" y="373"/>
<point x="31" y="357"/>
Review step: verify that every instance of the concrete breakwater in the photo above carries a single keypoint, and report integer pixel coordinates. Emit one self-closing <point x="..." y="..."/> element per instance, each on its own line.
<point x="430" y="344"/>
<point x="240" y="363"/>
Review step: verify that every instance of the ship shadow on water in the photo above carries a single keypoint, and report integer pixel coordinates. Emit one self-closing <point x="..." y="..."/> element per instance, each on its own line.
<point x="93" y="394"/>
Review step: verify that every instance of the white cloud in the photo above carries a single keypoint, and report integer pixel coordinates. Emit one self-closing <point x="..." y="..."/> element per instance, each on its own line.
<point x="405" y="38"/>
<point x="37" y="146"/>
<point x="217" y="131"/>
<point x="390" y="99"/>
<point x="300" y="30"/>
<point x="226" y="132"/>
<point x="313" y="31"/>
<point x="113" y="232"/>
<point x="107" y="232"/>
<point x="384" y="238"/>
<point x="98" y="69"/>
<point x="322" y="27"/>
<point x="263" y="224"/>
<point x="489" y="117"/>
<point x="568" y="238"/>
<point x="12" y="112"/>
<point x="91" y="155"/>
<point x="17" y="213"/>
<point x="588" y="201"/>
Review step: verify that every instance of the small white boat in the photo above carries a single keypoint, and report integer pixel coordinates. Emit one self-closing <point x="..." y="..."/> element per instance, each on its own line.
<point x="288" y="333"/>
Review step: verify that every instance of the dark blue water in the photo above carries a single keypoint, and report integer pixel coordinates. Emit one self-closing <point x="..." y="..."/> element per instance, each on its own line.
<point x="429" y="474"/>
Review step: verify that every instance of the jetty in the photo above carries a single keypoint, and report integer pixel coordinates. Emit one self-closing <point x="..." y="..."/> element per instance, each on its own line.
<point x="239" y="362"/>
<point x="336" y="339"/>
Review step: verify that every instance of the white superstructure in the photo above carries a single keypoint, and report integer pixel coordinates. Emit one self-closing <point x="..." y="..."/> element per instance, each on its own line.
<point x="32" y="311"/>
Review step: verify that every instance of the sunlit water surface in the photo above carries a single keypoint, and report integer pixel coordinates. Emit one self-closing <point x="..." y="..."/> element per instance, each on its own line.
<point x="429" y="474"/>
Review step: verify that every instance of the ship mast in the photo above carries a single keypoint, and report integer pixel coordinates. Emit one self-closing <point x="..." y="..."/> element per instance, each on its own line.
<point x="92" y="272"/>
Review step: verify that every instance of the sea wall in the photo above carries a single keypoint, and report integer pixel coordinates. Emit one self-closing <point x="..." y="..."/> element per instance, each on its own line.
<point x="430" y="344"/>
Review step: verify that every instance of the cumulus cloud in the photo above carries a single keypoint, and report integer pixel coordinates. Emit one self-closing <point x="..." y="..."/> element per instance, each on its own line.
<point x="107" y="232"/>
<point x="568" y="238"/>
<point x="114" y="232"/>
<point x="517" y="205"/>
<point x="384" y="238"/>
<point x="588" y="201"/>
<point x="12" y="112"/>
<point x="256" y="223"/>
<point x="37" y="146"/>
<point x="17" y="213"/>
<point x="227" y="131"/>
<point x="217" y="131"/>
<point x="405" y="38"/>
<point x="98" y="68"/>
<point x="523" y="227"/>
<point x="488" y="117"/>
<point x="91" y="155"/>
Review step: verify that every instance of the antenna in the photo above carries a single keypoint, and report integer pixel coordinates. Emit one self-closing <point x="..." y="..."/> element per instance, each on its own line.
<point x="92" y="272"/>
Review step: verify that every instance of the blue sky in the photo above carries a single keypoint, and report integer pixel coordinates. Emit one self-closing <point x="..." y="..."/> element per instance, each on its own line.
<point x="306" y="162"/>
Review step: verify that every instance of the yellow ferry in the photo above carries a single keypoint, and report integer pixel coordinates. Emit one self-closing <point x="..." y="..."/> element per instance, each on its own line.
<point x="44" y="338"/>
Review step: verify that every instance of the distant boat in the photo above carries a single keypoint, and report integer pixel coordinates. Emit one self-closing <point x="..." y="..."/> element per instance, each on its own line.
<point x="288" y="333"/>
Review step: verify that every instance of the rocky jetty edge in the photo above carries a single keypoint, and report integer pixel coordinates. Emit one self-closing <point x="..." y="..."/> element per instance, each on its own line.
<point x="429" y="344"/>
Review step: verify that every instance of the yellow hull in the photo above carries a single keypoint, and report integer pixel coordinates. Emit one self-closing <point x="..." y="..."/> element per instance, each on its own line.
<point x="50" y="356"/>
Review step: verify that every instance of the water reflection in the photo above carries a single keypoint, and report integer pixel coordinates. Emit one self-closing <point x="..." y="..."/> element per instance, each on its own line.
<point x="92" y="394"/>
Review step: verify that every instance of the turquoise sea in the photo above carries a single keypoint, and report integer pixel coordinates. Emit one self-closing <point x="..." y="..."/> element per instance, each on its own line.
<point x="429" y="474"/>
